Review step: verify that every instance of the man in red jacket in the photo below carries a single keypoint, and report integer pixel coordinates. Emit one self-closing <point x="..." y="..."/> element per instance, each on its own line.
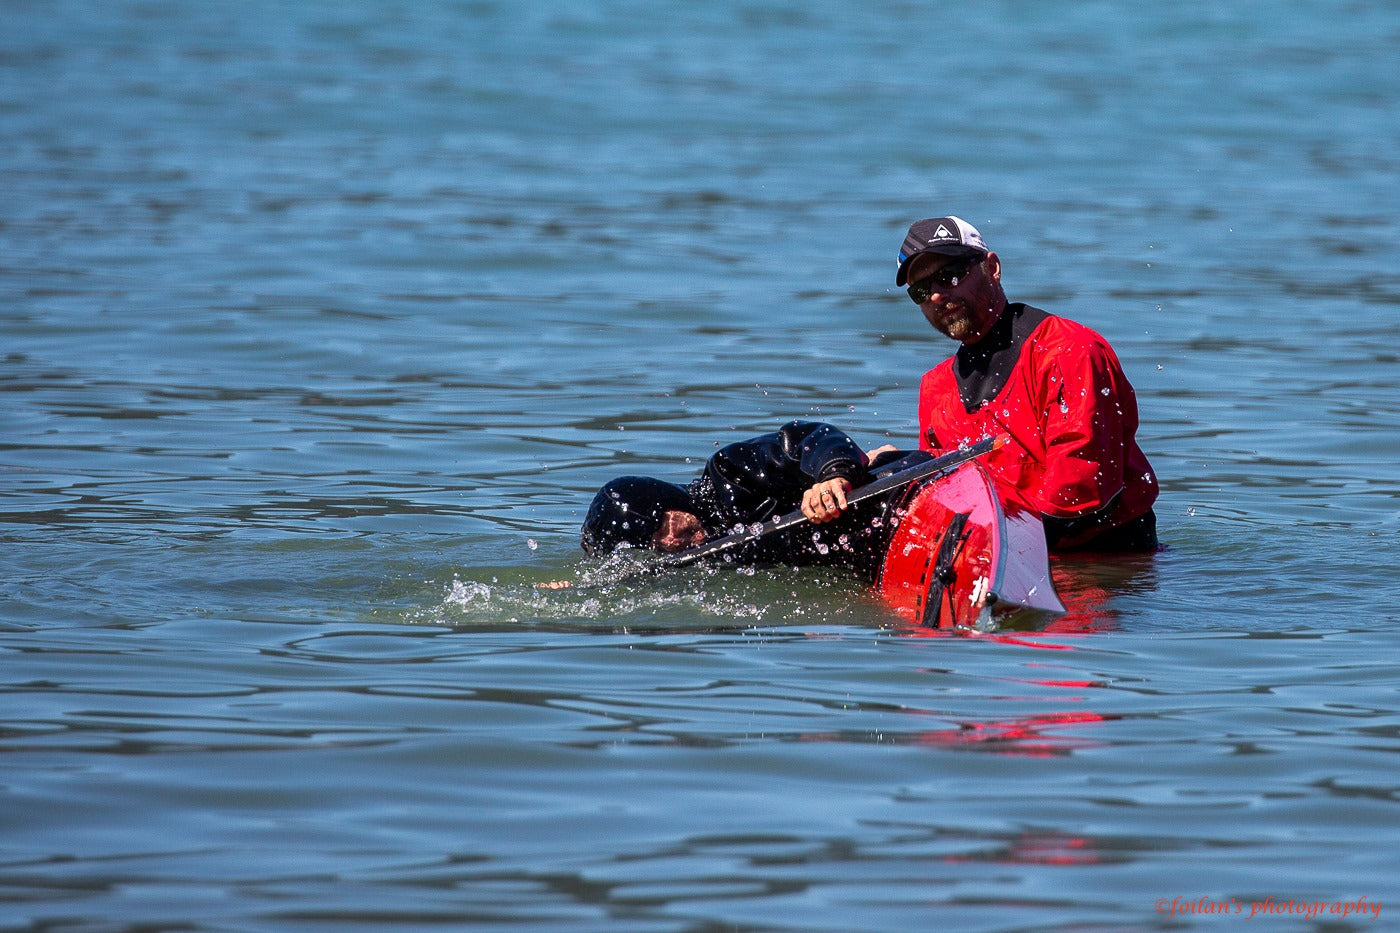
<point x="1054" y="387"/>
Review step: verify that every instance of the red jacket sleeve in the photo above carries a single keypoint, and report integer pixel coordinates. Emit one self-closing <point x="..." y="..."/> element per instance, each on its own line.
<point x="1089" y="419"/>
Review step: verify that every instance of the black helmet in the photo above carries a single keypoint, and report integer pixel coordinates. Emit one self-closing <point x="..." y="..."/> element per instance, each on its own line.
<point x="628" y="510"/>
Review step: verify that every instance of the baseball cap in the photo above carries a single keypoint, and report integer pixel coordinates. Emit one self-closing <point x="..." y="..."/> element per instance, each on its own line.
<point x="947" y="236"/>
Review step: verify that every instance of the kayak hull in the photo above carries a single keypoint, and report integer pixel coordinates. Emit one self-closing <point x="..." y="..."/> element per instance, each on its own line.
<point x="965" y="555"/>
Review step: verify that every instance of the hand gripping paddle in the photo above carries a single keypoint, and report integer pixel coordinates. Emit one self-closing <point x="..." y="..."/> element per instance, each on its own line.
<point x="880" y="486"/>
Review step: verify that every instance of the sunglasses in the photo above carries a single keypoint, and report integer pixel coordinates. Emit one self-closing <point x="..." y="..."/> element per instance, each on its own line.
<point x="948" y="276"/>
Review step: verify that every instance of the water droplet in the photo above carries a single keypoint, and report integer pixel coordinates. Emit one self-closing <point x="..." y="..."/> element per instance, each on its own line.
<point x="1104" y="391"/>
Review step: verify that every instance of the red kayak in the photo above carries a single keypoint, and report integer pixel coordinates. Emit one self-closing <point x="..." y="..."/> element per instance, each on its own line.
<point x="965" y="555"/>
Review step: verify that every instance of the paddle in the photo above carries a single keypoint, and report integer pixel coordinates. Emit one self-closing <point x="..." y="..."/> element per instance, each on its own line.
<point x="880" y="486"/>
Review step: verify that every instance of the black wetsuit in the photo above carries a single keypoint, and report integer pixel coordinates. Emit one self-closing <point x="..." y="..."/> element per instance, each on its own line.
<point x="756" y="479"/>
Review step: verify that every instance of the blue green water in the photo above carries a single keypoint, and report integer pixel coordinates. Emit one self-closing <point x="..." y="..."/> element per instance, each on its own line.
<point x="321" y="323"/>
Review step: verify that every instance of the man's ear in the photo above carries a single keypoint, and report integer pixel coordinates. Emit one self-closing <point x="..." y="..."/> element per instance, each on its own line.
<point x="993" y="266"/>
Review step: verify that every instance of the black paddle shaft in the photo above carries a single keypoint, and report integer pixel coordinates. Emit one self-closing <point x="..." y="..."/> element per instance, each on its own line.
<point x="758" y="530"/>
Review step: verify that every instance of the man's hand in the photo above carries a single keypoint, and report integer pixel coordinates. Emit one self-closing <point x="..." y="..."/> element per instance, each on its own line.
<point x="824" y="501"/>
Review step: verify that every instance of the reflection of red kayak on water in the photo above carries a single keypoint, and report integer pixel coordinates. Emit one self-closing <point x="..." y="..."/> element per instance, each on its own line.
<point x="965" y="555"/>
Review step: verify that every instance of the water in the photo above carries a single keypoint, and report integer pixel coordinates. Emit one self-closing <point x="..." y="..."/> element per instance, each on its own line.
<point x="322" y="322"/>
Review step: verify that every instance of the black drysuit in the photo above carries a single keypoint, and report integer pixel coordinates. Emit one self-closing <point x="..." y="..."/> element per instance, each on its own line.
<point x="754" y="480"/>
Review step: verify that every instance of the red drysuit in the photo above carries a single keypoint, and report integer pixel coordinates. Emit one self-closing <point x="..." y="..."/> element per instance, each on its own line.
<point x="1057" y="390"/>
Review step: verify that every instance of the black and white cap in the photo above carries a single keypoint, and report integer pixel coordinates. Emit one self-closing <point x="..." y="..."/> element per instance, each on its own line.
<point x="947" y="236"/>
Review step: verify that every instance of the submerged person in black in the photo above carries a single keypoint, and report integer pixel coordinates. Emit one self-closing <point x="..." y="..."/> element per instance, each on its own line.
<point x="805" y="464"/>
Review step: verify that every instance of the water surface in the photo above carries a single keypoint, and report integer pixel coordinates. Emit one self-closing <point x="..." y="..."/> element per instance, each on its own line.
<point x="321" y="324"/>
